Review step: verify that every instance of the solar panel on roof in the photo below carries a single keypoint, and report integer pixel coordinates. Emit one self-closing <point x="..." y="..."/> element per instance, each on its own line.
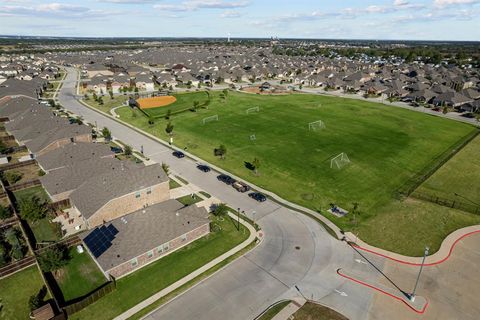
<point x="100" y="239"/>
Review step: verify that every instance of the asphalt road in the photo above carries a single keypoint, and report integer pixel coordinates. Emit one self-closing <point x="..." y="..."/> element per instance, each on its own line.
<point x="296" y="250"/>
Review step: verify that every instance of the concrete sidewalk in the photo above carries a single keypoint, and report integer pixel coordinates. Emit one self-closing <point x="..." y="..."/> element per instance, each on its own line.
<point x="438" y="257"/>
<point x="145" y="303"/>
<point x="290" y="309"/>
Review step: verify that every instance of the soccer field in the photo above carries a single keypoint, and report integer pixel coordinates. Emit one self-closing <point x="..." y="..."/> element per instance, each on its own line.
<point x="385" y="145"/>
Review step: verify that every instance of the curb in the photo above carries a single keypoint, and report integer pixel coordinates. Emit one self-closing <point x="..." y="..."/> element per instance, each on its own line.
<point x="421" y="311"/>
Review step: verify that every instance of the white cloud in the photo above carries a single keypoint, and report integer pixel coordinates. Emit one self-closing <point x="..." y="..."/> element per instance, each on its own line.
<point x="127" y="1"/>
<point x="55" y="10"/>
<point x="192" y="5"/>
<point x="230" y="14"/>
<point x="446" y="3"/>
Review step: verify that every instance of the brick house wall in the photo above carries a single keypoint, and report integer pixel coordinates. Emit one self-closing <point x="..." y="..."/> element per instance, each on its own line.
<point x="129" y="203"/>
<point x="64" y="141"/>
<point x="144" y="259"/>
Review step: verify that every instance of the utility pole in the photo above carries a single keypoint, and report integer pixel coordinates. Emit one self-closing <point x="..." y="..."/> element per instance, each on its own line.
<point x="425" y="254"/>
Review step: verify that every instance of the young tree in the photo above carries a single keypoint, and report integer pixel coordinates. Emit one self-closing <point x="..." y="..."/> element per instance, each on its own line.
<point x="221" y="151"/>
<point x="32" y="209"/>
<point x="5" y="213"/>
<point x="196" y="105"/>
<point x="169" y="131"/>
<point x="168" y="114"/>
<point x="37" y="300"/>
<point x="85" y="96"/>
<point x="151" y="120"/>
<point x="256" y="165"/>
<point x="128" y="150"/>
<point x="445" y="110"/>
<point x="111" y="94"/>
<point x="206" y="104"/>
<point x="95" y="97"/>
<point x="106" y="134"/>
<point x="3" y="147"/>
<point x="225" y="92"/>
<point x="166" y="168"/>
<point x="53" y="258"/>
<point x="220" y="210"/>
<point x="100" y="101"/>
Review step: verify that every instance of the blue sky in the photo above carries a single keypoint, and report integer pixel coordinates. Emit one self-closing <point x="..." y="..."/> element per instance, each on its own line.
<point x="346" y="19"/>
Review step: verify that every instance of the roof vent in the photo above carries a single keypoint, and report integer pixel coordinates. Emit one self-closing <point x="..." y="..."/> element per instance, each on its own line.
<point x="177" y="214"/>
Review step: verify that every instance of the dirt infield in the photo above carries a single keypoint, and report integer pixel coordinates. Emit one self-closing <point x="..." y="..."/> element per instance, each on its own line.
<point x="155" y="102"/>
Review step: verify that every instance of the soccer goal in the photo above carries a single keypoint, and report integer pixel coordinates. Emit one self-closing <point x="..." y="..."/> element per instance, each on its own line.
<point x="253" y="109"/>
<point x="210" y="119"/>
<point x="339" y="161"/>
<point x="316" y="125"/>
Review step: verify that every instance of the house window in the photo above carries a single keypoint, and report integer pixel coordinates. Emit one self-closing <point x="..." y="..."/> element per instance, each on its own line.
<point x="137" y="195"/>
<point x="149" y="254"/>
<point x="184" y="237"/>
<point x="134" y="262"/>
<point x="166" y="246"/>
<point x="149" y="190"/>
<point x="160" y="249"/>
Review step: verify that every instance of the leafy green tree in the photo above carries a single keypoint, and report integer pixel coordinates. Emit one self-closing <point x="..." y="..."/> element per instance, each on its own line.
<point x="221" y="151"/>
<point x="111" y="94"/>
<point x="100" y="101"/>
<point x="3" y="255"/>
<point x="169" y="131"/>
<point x="196" y="105"/>
<point x="53" y="258"/>
<point x="128" y="150"/>
<point x="5" y="213"/>
<point x="151" y="120"/>
<point x="37" y="300"/>
<point x="220" y="210"/>
<point x="32" y="209"/>
<point x="168" y="114"/>
<point x="106" y="134"/>
<point x="3" y="147"/>
<point x="256" y="165"/>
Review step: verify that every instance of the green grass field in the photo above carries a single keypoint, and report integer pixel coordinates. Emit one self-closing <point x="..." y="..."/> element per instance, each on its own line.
<point x="80" y="276"/>
<point x="386" y="146"/>
<point x="460" y="175"/>
<point x="152" y="278"/>
<point x="15" y="291"/>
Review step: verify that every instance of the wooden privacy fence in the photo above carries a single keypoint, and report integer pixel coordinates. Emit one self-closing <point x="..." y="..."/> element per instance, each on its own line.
<point x="17" y="165"/>
<point x="90" y="298"/>
<point x="16" y="266"/>
<point x="24" y="185"/>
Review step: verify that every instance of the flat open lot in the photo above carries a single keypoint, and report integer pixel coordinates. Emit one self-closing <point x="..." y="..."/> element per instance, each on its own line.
<point x="460" y="175"/>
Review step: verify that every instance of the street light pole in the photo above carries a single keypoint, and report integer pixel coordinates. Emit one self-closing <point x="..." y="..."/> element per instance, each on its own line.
<point x="412" y="296"/>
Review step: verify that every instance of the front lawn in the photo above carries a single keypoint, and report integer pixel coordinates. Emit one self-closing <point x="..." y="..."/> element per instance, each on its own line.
<point x="15" y="291"/>
<point x="152" y="278"/>
<point x="189" y="200"/>
<point x="80" y="276"/>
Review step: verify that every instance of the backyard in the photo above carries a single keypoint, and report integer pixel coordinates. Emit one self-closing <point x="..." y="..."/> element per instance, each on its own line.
<point x="80" y="276"/>
<point x="15" y="291"/>
<point x="152" y="278"/>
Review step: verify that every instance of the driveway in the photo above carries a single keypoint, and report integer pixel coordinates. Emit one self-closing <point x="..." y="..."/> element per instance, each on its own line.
<point x="296" y="251"/>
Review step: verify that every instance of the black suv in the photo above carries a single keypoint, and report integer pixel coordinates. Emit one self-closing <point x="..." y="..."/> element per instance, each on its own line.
<point x="178" y="154"/>
<point x="226" y="179"/>
<point x="203" y="168"/>
<point x="257" y="196"/>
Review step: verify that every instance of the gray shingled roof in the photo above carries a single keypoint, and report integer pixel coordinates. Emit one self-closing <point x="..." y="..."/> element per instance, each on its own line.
<point x="72" y="153"/>
<point x="71" y="177"/>
<point x="147" y="229"/>
<point x="48" y="137"/>
<point x="97" y="191"/>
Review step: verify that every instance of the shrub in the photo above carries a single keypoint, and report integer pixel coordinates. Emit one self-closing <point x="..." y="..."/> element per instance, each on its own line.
<point x="5" y="213"/>
<point x="32" y="209"/>
<point x="13" y="176"/>
<point x="53" y="258"/>
<point x="37" y="300"/>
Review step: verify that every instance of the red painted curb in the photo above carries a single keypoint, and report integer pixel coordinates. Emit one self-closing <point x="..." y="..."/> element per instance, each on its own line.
<point x="384" y="292"/>
<point x="418" y="264"/>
